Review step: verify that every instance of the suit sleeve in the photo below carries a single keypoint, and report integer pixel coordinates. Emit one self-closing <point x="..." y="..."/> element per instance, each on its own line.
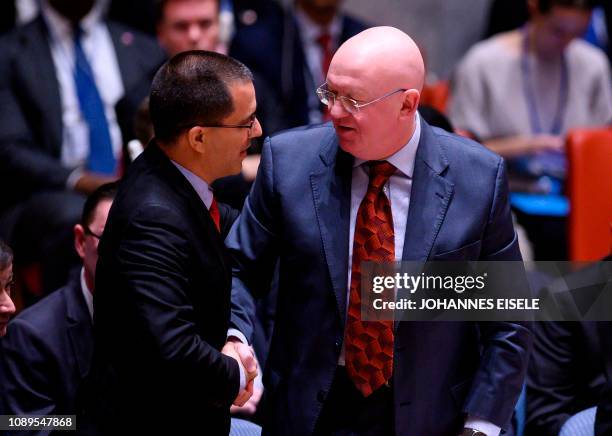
<point x="506" y="346"/>
<point x="252" y="243"/>
<point x="153" y="259"/>
<point x="551" y="382"/>
<point x="29" y="371"/>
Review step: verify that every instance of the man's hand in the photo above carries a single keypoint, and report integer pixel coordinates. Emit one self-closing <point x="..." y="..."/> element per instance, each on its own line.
<point x="246" y="359"/>
<point x="250" y="407"/>
<point x="89" y="182"/>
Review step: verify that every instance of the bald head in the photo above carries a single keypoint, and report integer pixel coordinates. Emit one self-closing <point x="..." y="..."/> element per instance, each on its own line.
<point x="382" y="70"/>
<point x="383" y="56"/>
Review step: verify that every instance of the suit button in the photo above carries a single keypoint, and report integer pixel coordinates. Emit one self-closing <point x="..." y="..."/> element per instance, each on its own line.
<point x="338" y="344"/>
<point x="321" y="396"/>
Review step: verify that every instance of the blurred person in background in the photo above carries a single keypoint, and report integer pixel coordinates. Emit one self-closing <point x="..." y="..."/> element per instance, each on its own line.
<point x="291" y="50"/>
<point x="521" y="91"/>
<point x="7" y="286"/>
<point x="48" y="352"/>
<point x="188" y="25"/>
<point x="7" y="308"/>
<point x="70" y="83"/>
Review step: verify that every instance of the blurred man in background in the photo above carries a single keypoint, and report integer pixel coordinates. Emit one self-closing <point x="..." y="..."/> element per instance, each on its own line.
<point x="188" y="25"/>
<point x="48" y="353"/>
<point x="70" y="83"/>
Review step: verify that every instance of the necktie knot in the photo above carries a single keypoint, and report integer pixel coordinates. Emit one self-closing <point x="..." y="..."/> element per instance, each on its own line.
<point x="380" y="171"/>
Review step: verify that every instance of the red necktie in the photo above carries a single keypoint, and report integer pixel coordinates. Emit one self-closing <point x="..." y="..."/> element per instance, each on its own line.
<point x="214" y="214"/>
<point x="324" y="41"/>
<point x="369" y="344"/>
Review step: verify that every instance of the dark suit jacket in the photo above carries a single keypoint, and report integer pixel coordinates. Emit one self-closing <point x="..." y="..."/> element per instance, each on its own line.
<point x="273" y="49"/>
<point x="30" y="105"/>
<point x="47" y="354"/>
<point x="458" y="210"/>
<point x="603" y="420"/>
<point x="570" y="362"/>
<point x="162" y="307"/>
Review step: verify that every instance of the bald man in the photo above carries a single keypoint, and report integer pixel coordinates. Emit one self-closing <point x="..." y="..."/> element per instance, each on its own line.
<point x="311" y="206"/>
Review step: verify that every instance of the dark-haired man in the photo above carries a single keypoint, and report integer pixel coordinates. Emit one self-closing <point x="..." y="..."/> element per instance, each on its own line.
<point x="162" y="303"/>
<point x="48" y="352"/>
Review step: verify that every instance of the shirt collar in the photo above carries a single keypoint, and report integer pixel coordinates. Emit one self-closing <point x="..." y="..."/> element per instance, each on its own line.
<point x="62" y="28"/>
<point x="87" y="293"/>
<point x="310" y="31"/>
<point x="403" y="159"/>
<point x="200" y="186"/>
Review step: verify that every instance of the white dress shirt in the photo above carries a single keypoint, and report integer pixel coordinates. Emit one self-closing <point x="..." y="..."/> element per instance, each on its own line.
<point x="100" y="51"/>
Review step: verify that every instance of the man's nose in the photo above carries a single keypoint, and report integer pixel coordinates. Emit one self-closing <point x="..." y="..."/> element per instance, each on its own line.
<point x="194" y="33"/>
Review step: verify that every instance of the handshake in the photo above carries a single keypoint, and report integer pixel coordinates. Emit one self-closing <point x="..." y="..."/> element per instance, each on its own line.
<point x="246" y="359"/>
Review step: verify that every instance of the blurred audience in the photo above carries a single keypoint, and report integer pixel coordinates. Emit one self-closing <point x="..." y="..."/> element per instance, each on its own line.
<point x="7" y="286"/>
<point x="48" y="351"/>
<point x="291" y="50"/>
<point x="521" y="91"/>
<point x="70" y="84"/>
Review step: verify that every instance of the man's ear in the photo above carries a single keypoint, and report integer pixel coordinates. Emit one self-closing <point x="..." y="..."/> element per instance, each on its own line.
<point x="79" y="240"/>
<point x="410" y="103"/>
<point x="197" y="138"/>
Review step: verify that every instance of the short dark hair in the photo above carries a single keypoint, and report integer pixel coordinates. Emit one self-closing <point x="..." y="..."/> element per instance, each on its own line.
<point x="6" y="255"/>
<point x="159" y="7"/>
<point x="103" y="192"/>
<point x="193" y="88"/>
<point x="544" y="6"/>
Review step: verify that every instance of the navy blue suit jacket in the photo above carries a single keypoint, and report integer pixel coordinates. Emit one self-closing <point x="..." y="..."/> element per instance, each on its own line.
<point x="47" y="353"/>
<point x="298" y="210"/>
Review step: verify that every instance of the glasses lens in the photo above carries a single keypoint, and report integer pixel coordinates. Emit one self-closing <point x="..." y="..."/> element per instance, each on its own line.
<point x="349" y="105"/>
<point x="325" y="96"/>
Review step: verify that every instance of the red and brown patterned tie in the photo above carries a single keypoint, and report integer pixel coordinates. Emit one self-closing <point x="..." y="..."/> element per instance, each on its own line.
<point x="369" y="344"/>
<point x="214" y="214"/>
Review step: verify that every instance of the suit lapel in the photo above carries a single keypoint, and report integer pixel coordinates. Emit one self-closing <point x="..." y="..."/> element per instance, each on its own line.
<point x="79" y="327"/>
<point x="429" y="199"/>
<point x="44" y="93"/>
<point x="183" y="188"/>
<point x="331" y="191"/>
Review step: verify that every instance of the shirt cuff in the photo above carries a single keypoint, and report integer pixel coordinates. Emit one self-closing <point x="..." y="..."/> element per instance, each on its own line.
<point x="233" y="333"/>
<point x="242" y="378"/>
<point x="238" y="335"/>
<point x="486" y="427"/>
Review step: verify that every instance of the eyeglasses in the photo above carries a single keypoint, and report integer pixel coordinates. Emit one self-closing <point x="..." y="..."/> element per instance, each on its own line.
<point x="89" y="232"/>
<point x="352" y="106"/>
<point x="234" y="126"/>
<point x="9" y="287"/>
